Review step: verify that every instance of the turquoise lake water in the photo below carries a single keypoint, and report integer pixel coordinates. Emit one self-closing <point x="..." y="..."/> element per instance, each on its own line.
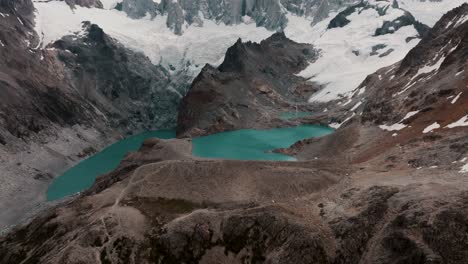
<point x="248" y="144"/>
<point x="82" y="176"/>
<point x="244" y="144"/>
<point x="294" y="115"/>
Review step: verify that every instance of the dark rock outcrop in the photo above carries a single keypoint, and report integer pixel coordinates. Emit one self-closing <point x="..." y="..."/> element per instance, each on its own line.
<point x="253" y="84"/>
<point x="84" y="3"/>
<point x="125" y="86"/>
<point x="388" y="27"/>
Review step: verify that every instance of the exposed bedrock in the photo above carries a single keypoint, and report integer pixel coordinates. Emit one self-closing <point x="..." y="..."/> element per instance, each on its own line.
<point x="249" y="89"/>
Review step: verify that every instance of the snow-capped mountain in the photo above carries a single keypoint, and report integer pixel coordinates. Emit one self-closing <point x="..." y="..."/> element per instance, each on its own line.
<point x="360" y="195"/>
<point x="71" y="84"/>
<point x="429" y="11"/>
<point x="183" y="36"/>
<point x="180" y="35"/>
<point x="270" y="14"/>
<point x="355" y="43"/>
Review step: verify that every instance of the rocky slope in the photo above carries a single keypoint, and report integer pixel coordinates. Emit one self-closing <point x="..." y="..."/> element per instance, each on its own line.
<point x="428" y="95"/>
<point x="123" y="85"/>
<point x="64" y="102"/>
<point x="249" y="89"/>
<point x="351" y="47"/>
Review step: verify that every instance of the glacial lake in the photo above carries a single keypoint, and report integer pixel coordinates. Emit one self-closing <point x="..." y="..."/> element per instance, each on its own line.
<point x="294" y="115"/>
<point x="246" y="144"/>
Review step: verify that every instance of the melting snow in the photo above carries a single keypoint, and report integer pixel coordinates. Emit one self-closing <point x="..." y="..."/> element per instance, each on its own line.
<point x="338" y="125"/>
<point x="356" y="106"/>
<point x="460" y="72"/>
<point x="430" y="68"/>
<point x="460" y="123"/>
<point x="399" y="125"/>
<point x="394" y="127"/>
<point x="21" y="22"/>
<point x="464" y="169"/>
<point x="461" y="21"/>
<point x="362" y="90"/>
<point x="431" y="128"/>
<point x="456" y="98"/>
<point x="409" y="115"/>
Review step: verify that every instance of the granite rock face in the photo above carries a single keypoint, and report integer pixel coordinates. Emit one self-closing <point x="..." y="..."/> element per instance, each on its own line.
<point x="84" y="3"/>
<point x="123" y="85"/>
<point x="253" y="84"/>
<point x="270" y="14"/>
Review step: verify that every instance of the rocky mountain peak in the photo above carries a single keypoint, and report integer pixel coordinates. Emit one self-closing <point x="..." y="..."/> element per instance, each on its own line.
<point x="256" y="76"/>
<point x="446" y="35"/>
<point x="84" y="3"/>
<point x="270" y="14"/>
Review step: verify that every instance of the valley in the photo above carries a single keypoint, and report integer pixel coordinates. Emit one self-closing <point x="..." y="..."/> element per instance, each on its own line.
<point x="287" y="131"/>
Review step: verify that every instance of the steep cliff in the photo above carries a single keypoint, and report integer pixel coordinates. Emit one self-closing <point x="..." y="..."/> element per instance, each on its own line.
<point x="254" y="84"/>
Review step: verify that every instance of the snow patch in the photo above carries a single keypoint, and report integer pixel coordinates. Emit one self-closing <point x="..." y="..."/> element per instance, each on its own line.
<point x="394" y="127"/>
<point x="461" y="21"/>
<point x="431" y="128"/>
<point x="464" y="169"/>
<point x="409" y="115"/>
<point x="356" y="106"/>
<point x="399" y="125"/>
<point x="456" y="98"/>
<point x="460" y="123"/>
<point x="21" y="21"/>
<point x="338" y="125"/>
<point x="430" y="68"/>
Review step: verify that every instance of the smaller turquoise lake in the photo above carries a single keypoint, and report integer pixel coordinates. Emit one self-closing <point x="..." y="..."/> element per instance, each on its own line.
<point x="294" y="115"/>
<point x="82" y="176"/>
<point x="246" y="144"/>
<point x="249" y="144"/>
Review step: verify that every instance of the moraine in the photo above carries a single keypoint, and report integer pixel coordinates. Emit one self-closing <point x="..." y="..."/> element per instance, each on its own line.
<point x="246" y="144"/>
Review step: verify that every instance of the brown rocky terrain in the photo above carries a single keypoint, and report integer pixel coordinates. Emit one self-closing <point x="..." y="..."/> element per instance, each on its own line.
<point x="387" y="187"/>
